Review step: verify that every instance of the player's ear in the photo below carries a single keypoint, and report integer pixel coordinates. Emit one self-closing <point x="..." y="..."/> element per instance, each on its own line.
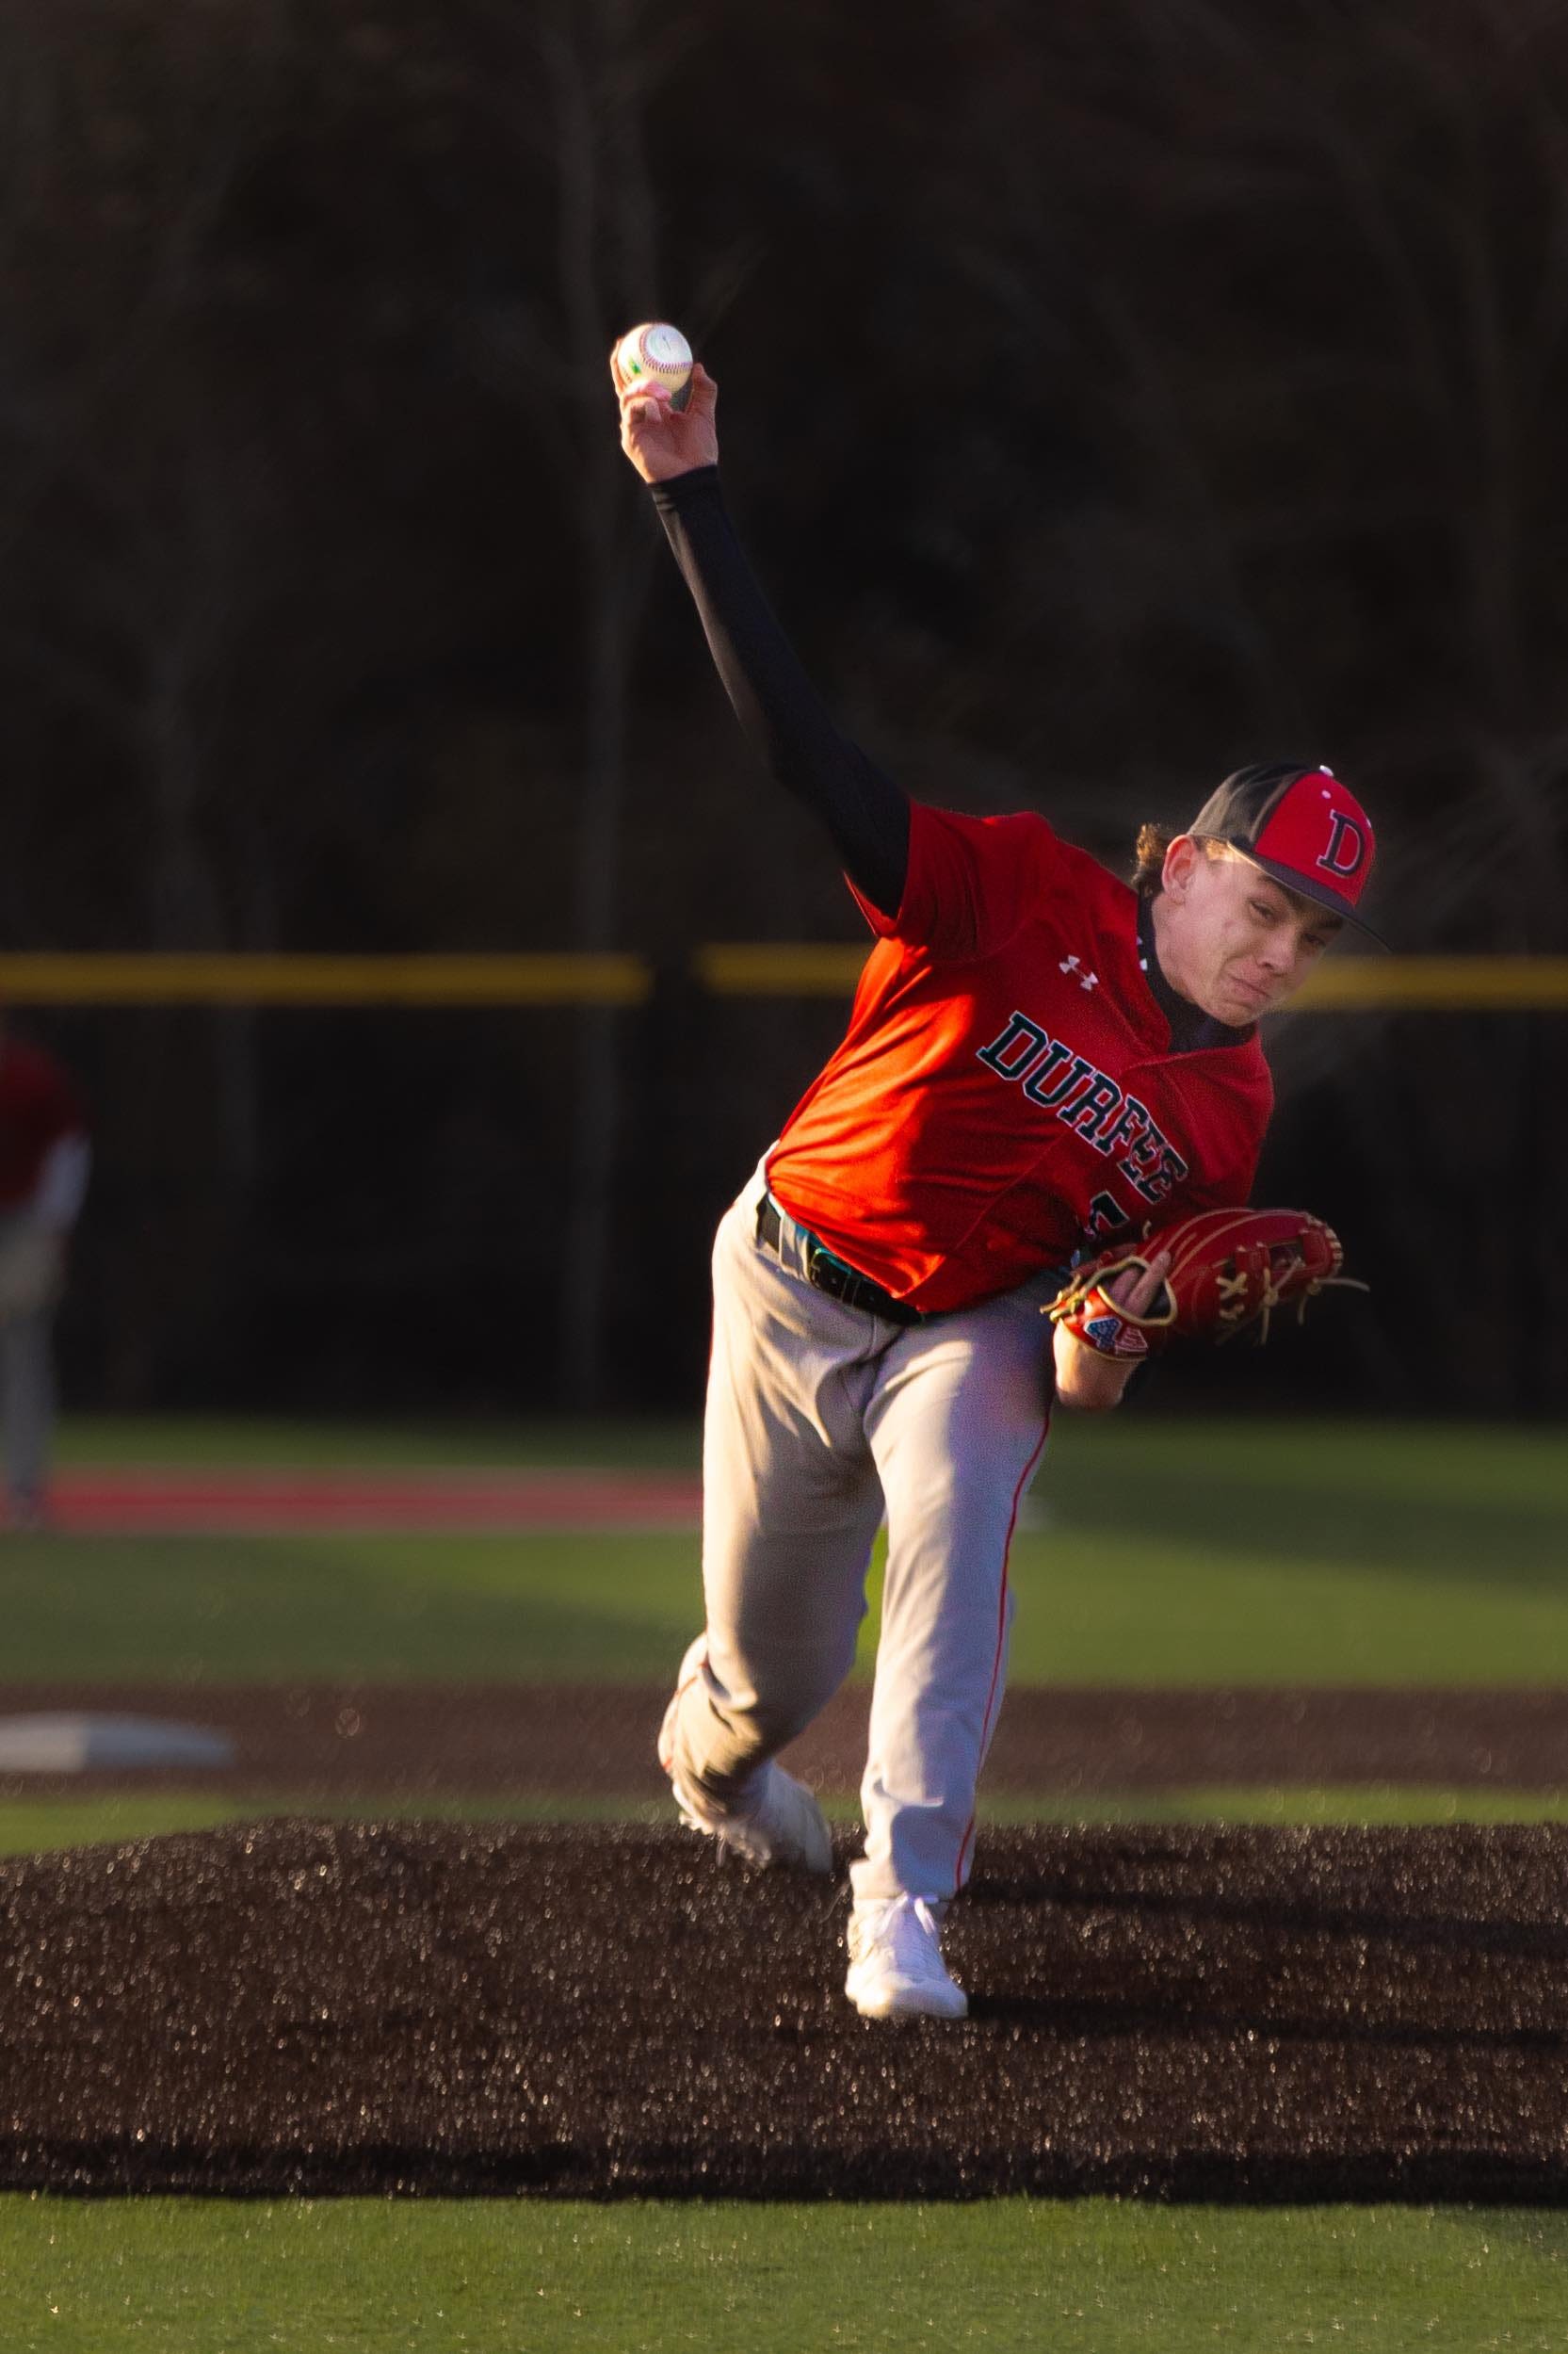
<point x="1181" y="862"/>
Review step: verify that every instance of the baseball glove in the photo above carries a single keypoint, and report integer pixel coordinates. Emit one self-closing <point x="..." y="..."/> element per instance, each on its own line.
<point x="1229" y="1270"/>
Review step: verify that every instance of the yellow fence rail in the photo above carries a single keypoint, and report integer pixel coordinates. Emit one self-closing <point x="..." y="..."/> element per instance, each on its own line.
<point x="1475" y="984"/>
<point x="324" y="979"/>
<point x="744" y="968"/>
<point x="1344" y="985"/>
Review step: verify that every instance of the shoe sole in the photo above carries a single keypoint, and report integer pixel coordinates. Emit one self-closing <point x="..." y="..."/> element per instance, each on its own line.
<point x="909" y="2002"/>
<point x="814" y="1851"/>
<point x="814" y="1855"/>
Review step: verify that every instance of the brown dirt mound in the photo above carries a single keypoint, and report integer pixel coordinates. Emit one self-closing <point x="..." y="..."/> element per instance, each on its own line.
<point x="378" y="1741"/>
<point x="300" y="2007"/>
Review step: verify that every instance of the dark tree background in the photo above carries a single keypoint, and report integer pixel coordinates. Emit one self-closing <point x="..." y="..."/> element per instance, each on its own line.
<point x="1108" y="395"/>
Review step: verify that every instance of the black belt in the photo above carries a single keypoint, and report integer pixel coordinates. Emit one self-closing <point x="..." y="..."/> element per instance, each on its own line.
<point x="826" y="1274"/>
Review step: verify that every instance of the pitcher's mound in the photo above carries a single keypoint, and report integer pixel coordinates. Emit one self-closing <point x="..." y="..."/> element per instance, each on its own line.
<point x="1187" y="2013"/>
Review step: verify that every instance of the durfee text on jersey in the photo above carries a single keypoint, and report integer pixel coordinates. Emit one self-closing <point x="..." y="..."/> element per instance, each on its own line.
<point x="1007" y="1090"/>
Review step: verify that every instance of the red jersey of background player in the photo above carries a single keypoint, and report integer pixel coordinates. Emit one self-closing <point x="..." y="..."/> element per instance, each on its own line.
<point x="38" y="1107"/>
<point x="1007" y="1090"/>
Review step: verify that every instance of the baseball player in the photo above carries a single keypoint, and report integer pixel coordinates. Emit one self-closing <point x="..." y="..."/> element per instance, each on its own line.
<point x="44" y="1158"/>
<point x="1039" y="1058"/>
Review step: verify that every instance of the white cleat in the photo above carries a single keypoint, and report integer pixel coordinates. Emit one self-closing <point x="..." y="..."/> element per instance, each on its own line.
<point x="895" y="1965"/>
<point x="779" y="1823"/>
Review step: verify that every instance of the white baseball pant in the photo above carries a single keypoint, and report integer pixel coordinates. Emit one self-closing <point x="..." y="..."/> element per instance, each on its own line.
<point x="820" y="1416"/>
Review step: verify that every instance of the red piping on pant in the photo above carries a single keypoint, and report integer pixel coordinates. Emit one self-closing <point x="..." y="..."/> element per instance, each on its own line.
<point x="1001" y="1639"/>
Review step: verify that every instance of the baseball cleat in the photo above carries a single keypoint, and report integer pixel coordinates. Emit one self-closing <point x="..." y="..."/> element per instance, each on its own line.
<point x="895" y="1965"/>
<point x="779" y="1823"/>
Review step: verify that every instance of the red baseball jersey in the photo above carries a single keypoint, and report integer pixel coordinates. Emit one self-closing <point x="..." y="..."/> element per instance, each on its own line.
<point x="37" y="1106"/>
<point x="1007" y="1093"/>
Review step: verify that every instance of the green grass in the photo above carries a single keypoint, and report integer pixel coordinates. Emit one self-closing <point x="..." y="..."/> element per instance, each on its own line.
<point x="1093" y="1607"/>
<point x="1164" y="1552"/>
<point x="1091" y="2277"/>
<point x="258" y="1608"/>
<point x="1194" y="1607"/>
<point x="33" y="1825"/>
<point x="30" y="1825"/>
<point x="1301" y="1803"/>
<point x="1120" y="1465"/>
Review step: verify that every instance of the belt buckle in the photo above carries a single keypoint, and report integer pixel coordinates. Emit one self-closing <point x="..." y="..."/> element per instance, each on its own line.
<point x="820" y="1266"/>
<point x="830" y="1274"/>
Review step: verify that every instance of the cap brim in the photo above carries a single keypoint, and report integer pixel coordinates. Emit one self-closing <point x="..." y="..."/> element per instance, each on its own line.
<point x="1319" y="893"/>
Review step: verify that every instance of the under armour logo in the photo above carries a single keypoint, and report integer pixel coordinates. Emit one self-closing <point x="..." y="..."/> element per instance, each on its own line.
<point x="1086" y="980"/>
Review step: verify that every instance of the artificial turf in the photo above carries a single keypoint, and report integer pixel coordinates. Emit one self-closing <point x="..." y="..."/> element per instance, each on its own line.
<point x="30" y="1825"/>
<point x="1180" y="1553"/>
<point x="1091" y="2277"/>
<point x="1179" y="1607"/>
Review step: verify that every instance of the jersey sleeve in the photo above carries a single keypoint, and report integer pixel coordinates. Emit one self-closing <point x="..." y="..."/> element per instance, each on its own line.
<point x="971" y="882"/>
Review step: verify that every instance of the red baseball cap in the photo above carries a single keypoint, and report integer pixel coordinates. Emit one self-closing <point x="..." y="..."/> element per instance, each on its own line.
<point x="1301" y="826"/>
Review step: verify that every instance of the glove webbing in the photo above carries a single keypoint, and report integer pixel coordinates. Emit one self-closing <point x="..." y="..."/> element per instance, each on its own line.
<point x="1233" y="1308"/>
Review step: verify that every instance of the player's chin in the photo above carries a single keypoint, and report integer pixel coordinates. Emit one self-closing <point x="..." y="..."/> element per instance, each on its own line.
<point x="1224" y="1007"/>
<point x="1238" y="1003"/>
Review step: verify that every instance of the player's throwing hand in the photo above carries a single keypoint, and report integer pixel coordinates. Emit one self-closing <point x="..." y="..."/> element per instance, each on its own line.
<point x="662" y="441"/>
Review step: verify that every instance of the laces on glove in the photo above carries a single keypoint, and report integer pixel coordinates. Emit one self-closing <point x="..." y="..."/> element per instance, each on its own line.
<point x="1230" y="1270"/>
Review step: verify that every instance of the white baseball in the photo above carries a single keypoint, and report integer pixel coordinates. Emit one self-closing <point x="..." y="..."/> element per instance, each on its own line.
<point x="656" y="350"/>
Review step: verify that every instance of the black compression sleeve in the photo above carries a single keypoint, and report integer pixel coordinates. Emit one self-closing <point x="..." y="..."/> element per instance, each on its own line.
<point x="782" y="714"/>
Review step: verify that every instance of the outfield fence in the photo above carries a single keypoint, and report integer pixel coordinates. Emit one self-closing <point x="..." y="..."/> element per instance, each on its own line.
<point x="457" y="1182"/>
<point x="1344" y="985"/>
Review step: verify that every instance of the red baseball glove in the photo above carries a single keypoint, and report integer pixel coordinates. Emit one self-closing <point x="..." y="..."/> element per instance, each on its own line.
<point x="1229" y="1269"/>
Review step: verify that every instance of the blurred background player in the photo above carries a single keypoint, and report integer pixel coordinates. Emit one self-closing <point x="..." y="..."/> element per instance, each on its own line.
<point x="44" y="1158"/>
